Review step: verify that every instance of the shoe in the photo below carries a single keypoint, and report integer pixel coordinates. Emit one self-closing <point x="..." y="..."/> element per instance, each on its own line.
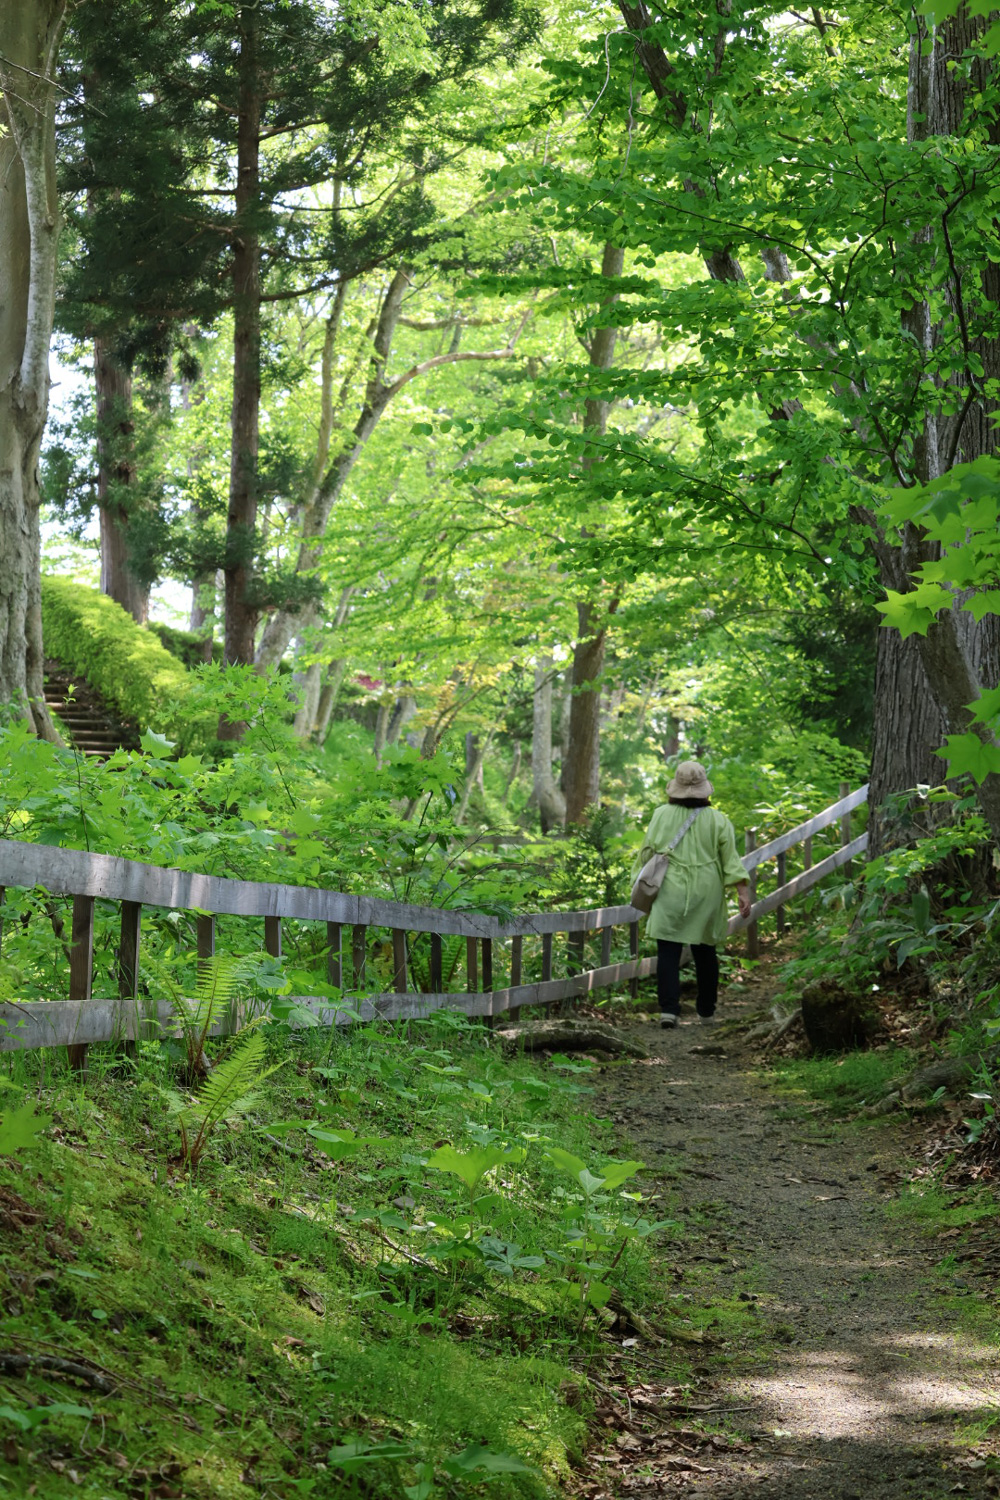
<point x="667" y="1020"/>
<point x="706" y="1020"/>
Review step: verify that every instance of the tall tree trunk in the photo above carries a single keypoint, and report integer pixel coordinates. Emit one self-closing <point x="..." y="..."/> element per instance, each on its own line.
<point x="241" y="614"/>
<point x="310" y="686"/>
<point x="515" y="766"/>
<point x="283" y="624"/>
<point x="960" y="657"/>
<point x="581" y="776"/>
<point x="115" y="475"/>
<point x="204" y="594"/>
<point x="29" y="228"/>
<point x="548" y="798"/>
<point x="329" y="694"/>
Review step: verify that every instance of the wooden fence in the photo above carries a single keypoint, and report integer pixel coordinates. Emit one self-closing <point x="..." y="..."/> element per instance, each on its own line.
<point x="489" y="943"/>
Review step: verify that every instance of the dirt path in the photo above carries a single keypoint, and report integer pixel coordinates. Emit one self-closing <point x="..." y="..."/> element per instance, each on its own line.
<point x="867" y="1377"/>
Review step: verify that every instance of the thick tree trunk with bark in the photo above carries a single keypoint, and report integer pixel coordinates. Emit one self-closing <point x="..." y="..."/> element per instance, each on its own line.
<point x="29" y="227"/>
<point x="241" y="614"/>
<point x="115" y="474"/>
<point x="960" y="658"/>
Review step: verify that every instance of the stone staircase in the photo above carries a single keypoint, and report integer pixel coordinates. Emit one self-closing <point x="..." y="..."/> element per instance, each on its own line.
<point x="83" y="716"/>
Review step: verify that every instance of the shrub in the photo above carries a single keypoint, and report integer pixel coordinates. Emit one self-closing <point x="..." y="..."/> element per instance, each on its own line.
<point x="124" y="662"/>
<point x="184" y="644"/>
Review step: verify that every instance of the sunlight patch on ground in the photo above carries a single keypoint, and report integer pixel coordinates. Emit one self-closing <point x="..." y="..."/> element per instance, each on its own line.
<point x="837" y="1393"/>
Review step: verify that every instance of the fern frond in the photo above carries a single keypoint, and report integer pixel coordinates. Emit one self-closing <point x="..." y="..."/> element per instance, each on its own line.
<point x="228" y="1088"/>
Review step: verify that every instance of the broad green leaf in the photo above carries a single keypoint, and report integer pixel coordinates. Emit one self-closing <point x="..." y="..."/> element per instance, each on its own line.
<point x="479" y="1460"/>
<point x="617" y="1172"/>
<point x="470" y="1166"/>
<point x="967" y="754"/>
<point x="20" y="1128"/>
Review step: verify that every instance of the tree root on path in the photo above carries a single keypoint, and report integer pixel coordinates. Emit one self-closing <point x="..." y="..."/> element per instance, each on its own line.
<point x="568" y="1036"/>
<point x="771" y="1031"/>
<point x="948" y="1073"/>
<point x="18" y="1364"/>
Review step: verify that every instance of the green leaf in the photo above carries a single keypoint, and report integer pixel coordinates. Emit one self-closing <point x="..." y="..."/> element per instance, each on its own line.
<point x="470" y="1166"/>
<point x="968" y="755"/>
<point x="617" y="1172"/>
<point x="983" y="602"/>
<point x="356" y="1454"/>
<point x="914" y="613"/>
<point x="479" y="1460"/>
<point x="155" y="744"/>
<point x="986" y="707"/>
<point x="20" y="1128"/>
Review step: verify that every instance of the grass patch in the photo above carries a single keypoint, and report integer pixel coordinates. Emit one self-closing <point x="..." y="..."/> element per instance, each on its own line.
<point x="843" y="1083"/>
<point x="933" y="1208"/>
<point x="329" y="1313"/>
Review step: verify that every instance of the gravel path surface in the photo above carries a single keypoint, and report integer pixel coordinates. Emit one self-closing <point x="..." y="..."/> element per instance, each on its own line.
<point x="872" y="1376"/>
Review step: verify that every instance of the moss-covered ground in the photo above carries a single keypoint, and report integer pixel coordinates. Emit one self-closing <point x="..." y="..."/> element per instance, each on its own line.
<point x="315" y="1313"/>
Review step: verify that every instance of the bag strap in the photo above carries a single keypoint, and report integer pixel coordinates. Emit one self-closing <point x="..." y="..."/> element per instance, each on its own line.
<point x="684" y="828"/>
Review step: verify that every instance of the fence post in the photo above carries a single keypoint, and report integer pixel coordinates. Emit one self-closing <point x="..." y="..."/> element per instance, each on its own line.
<point x="487" y="964"/>
<point x="81" y="969"/>
<point x="334" y="956"/>
<point x="359" y="953"/>
<point x="575" y="951"/>
<point x="606" y="934"/>
<point x="399" y="960"/>
<point x="436" y="976"/>
<point x="753" y="936"/>
<point x="633" y="952"/>
<point x="471" y="966"/>
<point x="128" y="965"/>
<point x="516" y="948"/>
<point x="845" y="827"/>
<point x="272" y="936"/>
<point x="779" y="914"/>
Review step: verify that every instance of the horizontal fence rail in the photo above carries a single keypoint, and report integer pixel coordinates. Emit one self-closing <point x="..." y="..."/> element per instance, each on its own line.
<point x="81" y="1020"/>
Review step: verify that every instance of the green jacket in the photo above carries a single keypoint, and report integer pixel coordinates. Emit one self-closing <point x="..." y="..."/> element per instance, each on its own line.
<point x="691" y="904"/>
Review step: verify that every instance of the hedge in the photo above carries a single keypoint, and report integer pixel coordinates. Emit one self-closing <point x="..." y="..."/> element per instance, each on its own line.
<point x="88" y="633"/>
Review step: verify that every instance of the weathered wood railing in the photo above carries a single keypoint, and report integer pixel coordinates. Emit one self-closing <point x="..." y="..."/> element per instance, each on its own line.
<point x="88" y="878"/>
<point x="810" y="875"/>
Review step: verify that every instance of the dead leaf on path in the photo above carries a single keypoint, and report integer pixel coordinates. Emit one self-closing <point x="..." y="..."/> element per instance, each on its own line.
<point x="828" y="1197"/>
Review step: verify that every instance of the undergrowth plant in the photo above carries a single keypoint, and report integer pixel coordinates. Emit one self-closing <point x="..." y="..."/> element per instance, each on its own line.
<point x="231" y="1089"/>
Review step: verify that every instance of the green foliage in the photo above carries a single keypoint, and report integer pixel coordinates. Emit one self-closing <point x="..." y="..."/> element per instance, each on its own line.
<point x="20" y="1128"/>
<point x="230" y="1090"/>
<point x="845" y="1083"/>
<point x="351" y="1276"/>
<point x="88" y="633"/>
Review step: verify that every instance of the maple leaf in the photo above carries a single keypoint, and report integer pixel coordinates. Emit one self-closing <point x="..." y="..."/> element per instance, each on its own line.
<point x="968" y="754"/>
<point x="20" y="1127"/>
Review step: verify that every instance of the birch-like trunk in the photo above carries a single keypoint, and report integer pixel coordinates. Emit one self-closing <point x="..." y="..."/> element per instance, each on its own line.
<point x="29" y="228"/>
<point x="545" y="794"/>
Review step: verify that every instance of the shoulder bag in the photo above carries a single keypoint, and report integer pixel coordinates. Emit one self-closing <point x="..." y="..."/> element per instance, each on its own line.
<point x="650" y="877"/>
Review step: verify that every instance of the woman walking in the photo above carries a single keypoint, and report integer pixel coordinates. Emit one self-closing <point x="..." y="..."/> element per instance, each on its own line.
<point x="690" y="906"/>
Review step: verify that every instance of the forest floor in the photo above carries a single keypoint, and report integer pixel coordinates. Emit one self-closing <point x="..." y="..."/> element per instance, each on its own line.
<point x="854" y="1346"/>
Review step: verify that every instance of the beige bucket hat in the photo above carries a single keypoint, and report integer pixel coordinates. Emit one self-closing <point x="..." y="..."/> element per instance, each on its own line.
<point x="690" y="780"/>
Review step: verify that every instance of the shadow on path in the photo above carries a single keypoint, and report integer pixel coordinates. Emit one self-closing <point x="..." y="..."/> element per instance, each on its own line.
<point x="874" y="1387"/>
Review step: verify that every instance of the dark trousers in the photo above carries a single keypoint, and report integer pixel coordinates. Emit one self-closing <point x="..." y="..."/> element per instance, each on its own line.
<point x="668" y="976"/>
